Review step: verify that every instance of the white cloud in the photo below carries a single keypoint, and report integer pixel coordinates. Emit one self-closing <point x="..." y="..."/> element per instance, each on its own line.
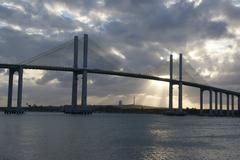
<point x="14" y="6"/>
<point x="118" y="53"/>
<point x="9" y="25"/>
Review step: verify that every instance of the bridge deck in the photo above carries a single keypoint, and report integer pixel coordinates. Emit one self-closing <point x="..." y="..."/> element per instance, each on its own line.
<point x="50" y="68"/>
<point x="149" y="77"/>
<point x="118" y="73"/>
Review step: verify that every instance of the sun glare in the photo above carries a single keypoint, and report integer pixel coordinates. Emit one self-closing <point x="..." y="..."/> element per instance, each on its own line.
<point x="154" y="94"/>
<point x="157" y="85"/>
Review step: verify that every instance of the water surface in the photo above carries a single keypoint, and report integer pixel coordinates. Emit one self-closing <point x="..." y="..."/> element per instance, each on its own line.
<point x="55" y="136"/>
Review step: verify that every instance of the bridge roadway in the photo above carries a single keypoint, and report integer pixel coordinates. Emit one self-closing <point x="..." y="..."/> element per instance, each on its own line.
<point x="117" y="73"/>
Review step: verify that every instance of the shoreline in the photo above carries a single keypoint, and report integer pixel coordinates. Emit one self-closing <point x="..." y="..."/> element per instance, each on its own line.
<point x="130" y="109"/>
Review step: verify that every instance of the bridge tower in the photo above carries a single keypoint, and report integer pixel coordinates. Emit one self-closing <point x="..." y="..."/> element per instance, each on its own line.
<point x="83" y="109"/>
<point x="84" y="74"/>
<point x="171" y="83"/>
<point x="75" y="74"/>
<point x="180" y="84"/>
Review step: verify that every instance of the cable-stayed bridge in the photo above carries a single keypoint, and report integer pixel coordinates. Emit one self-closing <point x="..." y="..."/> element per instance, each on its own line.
<point x="97" y="52"/>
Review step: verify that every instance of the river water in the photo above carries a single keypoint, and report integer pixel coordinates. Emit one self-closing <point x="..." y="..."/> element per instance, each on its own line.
<point x="55" y="136"/>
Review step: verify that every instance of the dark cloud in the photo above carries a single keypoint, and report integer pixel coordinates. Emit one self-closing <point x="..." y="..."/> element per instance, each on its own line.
<point x="144" y="32"/>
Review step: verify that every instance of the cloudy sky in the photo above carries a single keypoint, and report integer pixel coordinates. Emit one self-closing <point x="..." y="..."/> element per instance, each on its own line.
<point x="130" y="35"/>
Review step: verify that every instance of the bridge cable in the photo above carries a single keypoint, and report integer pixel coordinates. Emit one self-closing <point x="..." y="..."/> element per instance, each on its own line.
<point x="46" y="53"/>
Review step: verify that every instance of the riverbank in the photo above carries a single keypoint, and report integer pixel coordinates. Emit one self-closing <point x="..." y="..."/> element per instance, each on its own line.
<point x="137" y="109"/>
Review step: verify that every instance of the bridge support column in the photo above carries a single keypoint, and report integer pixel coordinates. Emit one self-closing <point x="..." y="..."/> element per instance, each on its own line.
<point x="227" y="104"/>
<point x="210" y="102"/>
<point x="10" y="109"/>
<point x="221" y="103"/>
<point x="75" y="74"/>
<point x="171" y="84"/>
<point x="20" y="86"/>
<point x="216" y="102"/>
<point x="83" y="109"/>
<point x="180" y="84"/>
<point x="239" y="105"/>
<point x="232" y="105"/>
<point x="10" y="88"/>
<point x="84" y="75"/>
<point x="201" y="101"/>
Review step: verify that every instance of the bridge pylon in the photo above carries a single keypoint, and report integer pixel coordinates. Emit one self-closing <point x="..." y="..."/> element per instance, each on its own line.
<point x="180" y="83"/>
<point x="171" y="83"/>
<point x="171" y="111"/>
<point x="83" y="109"/>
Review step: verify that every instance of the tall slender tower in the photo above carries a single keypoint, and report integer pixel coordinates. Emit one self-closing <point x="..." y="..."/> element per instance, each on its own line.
<point x="75" y="74"/>
<point x="180" y="84"/>
<point x="171" y="83"/>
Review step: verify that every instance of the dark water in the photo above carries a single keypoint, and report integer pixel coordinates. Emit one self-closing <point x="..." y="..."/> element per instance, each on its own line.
<point x="55" y="136"/>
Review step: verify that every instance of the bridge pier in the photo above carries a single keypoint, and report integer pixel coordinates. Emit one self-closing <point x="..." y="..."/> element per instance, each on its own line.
<point x="20" y="87"/>
<point x="221" y="103"/>
<point x="10" y="109"/>
<point x="238" y="105"/>
<point x="216" y="102"/>
<point x="201" y="101"/>
<point x="232" y="105"/>
<point x="10" y="88"/>
<point x="210" y="102"/>
<point x="227" y="104"/>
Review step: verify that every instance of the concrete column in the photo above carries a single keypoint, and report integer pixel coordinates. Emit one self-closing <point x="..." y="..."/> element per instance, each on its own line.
<point x="216" y="102"/>
<point x="20" y="86"/>
<point x="180" y="84"/>
<point x="201" y="101"/>
<point x="227" y="104"/>
<point x="171" y="83"/>
<point x="10" y="88"/>
<point x="84" y="75"/>
<point x="210" y="101"/>
<point x="238" y="105"/>
<point x="220" y="103"/>
<point x="232" y="105"/>
<point x="75" y="74"/>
